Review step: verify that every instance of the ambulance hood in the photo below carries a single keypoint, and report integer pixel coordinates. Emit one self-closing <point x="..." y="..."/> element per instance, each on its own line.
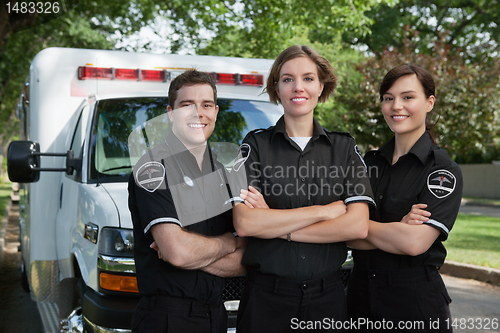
<point x="118" y="193"/>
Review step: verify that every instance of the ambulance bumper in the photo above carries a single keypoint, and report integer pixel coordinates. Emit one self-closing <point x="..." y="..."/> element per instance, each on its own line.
<point x="104" y="313"/>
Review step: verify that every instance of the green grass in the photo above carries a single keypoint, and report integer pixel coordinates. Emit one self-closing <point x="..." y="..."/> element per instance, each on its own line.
<point x="5" y="191"/>
<point x="475" y="240"/>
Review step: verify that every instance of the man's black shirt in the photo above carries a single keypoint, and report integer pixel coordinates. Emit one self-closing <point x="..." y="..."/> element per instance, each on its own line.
<point x="151" y="202"/>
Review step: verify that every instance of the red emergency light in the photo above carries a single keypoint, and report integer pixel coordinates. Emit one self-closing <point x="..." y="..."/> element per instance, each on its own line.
<point x="222" y="78"/>
<point x="126" y="74"/>
<point x="252" y="80"/>
<point x="85" y="72"/>
<point x="152" y="75"/>
<point x="256" y="80"/>
<point x="89" y="72"/>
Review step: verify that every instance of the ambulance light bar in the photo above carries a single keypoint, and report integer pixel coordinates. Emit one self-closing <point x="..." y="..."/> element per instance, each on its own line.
<point x="90" y="72"/>
<point x="256" y="80"/>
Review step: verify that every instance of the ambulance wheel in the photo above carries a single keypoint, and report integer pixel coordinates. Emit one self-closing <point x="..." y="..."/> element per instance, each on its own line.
<point x="73" y="323"/>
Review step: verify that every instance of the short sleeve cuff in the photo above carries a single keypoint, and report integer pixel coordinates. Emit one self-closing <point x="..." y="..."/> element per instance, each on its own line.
<point x="162" y="220"/>
<point x="438" y="225"/>
<point x="234" y="200"/>
<point x="360" y="198"/>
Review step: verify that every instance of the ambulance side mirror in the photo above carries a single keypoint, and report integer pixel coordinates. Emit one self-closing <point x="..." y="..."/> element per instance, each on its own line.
<point x="22" y="161"/>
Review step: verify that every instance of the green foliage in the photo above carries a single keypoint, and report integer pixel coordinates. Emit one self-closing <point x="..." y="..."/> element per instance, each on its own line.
<point x="473" y="26"/>
<point x="88" y="25"/>
<point x="5" y="192"/>
<point x="462" y="59"/>
<point x="475" y="240"/>
<point x="261" y="28"/>
<point x="466" y="114"/>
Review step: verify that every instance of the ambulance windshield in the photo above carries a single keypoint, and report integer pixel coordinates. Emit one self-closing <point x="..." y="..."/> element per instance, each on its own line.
<point x="116" y="119"/>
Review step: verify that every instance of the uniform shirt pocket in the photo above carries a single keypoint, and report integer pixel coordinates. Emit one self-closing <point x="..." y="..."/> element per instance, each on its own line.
<point x="396" y="208"/>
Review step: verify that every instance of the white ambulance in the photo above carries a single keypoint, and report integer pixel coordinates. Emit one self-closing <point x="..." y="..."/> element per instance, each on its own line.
<point x="76" y="112"/>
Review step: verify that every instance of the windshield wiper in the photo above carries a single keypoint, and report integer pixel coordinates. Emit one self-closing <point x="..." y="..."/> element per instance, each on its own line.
<point x="117" y="168"/>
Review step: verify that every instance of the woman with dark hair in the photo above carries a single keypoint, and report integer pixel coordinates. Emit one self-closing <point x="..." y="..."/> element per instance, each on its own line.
<point x="316" y="186"/>
<point x="418" y="190"/>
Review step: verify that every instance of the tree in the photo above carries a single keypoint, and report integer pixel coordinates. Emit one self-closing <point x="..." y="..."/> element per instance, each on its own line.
<point x="466" y="114"/>
<point x="254" y="28"/>
<point x="261" y="28"/>
<point x="472" y="25"/>
<point x="86" y="25"/>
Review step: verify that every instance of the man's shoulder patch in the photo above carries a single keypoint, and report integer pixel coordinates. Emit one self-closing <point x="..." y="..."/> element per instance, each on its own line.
<point x="241" y="156"/>
<point x="441" y="183"/>
<point x="150" y="176"/>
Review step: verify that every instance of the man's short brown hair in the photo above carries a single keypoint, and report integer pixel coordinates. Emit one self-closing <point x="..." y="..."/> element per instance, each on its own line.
<point x="190" y="78"/>
<point x="326" y="73"/>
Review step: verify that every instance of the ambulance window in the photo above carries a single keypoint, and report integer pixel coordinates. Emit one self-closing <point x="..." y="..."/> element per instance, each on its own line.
<point x="79" y="135"/>
<point x="126" y="129"/>
<point x="114" y="121"/>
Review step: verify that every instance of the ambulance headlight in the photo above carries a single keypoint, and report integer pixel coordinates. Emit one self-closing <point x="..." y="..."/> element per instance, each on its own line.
<point x="116" y="242"/>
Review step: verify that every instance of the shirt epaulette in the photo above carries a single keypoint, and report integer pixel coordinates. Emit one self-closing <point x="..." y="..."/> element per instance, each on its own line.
<point x="441" y="156"/>
<point x="258" y="130"/>
<point x="327" y="131"/>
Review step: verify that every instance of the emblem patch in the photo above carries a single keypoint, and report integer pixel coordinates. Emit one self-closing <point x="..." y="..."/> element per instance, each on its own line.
<point x="150" y="176"/>
<point x="441" y="183"/>
<point x="241" y="156"/>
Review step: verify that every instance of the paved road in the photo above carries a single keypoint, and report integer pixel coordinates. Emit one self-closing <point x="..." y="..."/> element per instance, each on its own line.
<point x="480" y="210"/>
<point x="473" y="300"/>
<point x="18" y="313"/>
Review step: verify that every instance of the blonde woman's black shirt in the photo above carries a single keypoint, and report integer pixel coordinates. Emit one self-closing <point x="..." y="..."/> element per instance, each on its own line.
<point x="329" y="168"/>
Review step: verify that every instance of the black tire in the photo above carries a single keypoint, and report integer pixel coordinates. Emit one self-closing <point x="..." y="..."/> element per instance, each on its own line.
<point x="24" y="279"/>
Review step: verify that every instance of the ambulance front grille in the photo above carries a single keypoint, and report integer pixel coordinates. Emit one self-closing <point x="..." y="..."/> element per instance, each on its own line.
<point x="234" y="288"/>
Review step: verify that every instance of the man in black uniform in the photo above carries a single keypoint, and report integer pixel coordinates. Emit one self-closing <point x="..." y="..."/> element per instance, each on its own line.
<point x="177" y="198"/>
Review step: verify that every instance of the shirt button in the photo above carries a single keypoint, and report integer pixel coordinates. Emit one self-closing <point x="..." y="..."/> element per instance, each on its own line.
<point x="381" y="197"/>
<point x="208" y="202"/>
<point x="304" y="286"/>
<point x="372" y="276"/>
<point x="302" y="257"/>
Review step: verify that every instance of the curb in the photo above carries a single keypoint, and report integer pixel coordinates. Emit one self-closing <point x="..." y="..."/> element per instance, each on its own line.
<point x="471" y="202"/>
<point x="469" y="271"/>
